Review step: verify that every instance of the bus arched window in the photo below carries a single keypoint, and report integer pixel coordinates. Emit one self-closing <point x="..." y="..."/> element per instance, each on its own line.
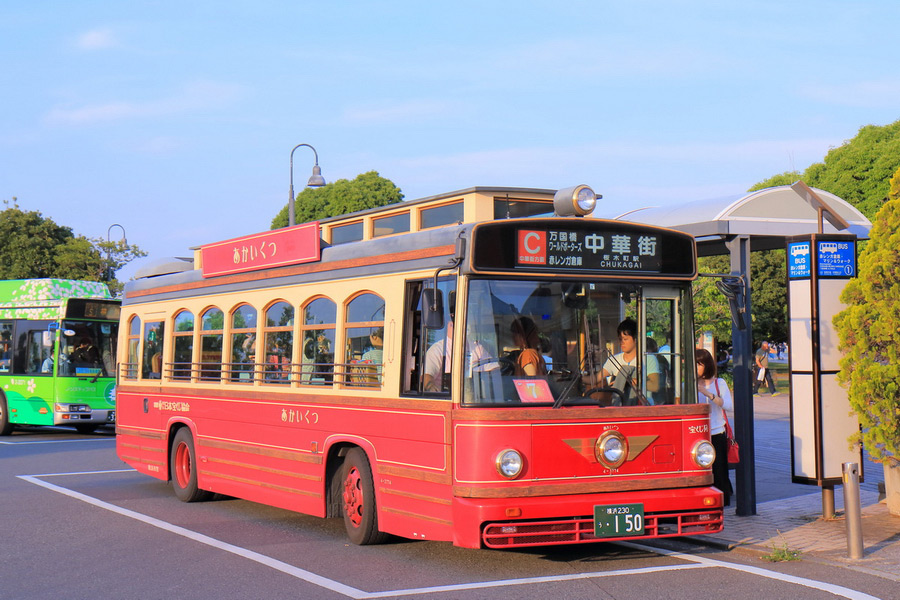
<point x="317" y="332"/>
<point x="365" y="340"/>
<point x="279" y="339"/>
<point x="243" y="344"/>
<point x="212" y="323"/>
<point x="133" y="342"/>
<point x="183" y="338"/>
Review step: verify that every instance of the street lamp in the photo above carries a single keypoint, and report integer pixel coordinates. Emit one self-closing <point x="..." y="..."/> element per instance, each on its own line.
<point x="108" y="254"/>
<point x="316" y="180"/>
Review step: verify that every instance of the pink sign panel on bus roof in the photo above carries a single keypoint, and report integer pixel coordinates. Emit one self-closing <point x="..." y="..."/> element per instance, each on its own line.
<point x="278" y="248"/>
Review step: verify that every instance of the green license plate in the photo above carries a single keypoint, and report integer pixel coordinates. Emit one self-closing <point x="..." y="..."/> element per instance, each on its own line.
<point x="616" y="520"/>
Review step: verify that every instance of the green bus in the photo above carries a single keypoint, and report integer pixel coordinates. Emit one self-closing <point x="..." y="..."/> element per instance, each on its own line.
<point x="57" y="353"/>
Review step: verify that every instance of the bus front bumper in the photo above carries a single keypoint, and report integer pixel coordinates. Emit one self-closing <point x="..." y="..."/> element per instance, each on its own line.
<point x="555" y="520"/>
<point x="74" y="414"/>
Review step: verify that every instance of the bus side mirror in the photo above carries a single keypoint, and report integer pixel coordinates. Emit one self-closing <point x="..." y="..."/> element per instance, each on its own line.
<point x="432" y="308"/>
<point x="733" y="289"/>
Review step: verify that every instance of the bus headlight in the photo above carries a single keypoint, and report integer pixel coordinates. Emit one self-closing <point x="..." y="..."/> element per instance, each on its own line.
<point x="63" y="408"/>
<point x="611" y="449"/>
<point x="509" y="463"/>
<point x="703" y="454"/>
<point x="577" y="200"/>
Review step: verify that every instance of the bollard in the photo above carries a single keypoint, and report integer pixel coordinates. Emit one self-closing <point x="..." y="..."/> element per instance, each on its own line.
<point x="852" y="510"/>
<point x="827" y="502"/>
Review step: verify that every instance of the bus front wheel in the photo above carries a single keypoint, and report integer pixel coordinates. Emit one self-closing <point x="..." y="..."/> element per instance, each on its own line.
<point x="358" y="500"/>
<point x="182" y="468"/>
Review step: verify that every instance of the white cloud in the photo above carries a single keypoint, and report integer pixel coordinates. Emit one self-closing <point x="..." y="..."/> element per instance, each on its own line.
<point x="97" y="39"/>
<point x="193" y="97"/>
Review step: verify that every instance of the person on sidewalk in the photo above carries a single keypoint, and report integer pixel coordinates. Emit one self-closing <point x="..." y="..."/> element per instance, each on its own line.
<point x="714" y="391"/>
<point x="762" y="372"/>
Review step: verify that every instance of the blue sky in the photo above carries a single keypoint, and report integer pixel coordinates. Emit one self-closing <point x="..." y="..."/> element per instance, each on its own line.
<point x="176" y="119"/>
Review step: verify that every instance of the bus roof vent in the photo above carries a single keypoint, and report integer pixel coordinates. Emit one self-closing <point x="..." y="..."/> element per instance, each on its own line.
<point x="165" y="266"/>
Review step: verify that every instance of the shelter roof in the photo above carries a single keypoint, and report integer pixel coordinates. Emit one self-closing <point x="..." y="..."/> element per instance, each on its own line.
<point x="768" y="216"/>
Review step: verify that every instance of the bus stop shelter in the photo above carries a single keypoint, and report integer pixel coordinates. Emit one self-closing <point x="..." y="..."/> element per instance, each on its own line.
<point x="736" y="226"/>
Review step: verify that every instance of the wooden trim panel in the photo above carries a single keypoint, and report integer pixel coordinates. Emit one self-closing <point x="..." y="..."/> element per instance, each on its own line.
<point x="592" y="487"/>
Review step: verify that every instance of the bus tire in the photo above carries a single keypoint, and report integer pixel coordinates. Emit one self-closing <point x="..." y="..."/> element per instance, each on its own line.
<point x="358" y="500"/>
<point x="5" y="426"/>
<point x="182" y="468"/>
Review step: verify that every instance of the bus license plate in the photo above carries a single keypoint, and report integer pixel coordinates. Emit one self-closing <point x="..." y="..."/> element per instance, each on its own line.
<point x="616" y="520"/>
<point x="111" y="416"/>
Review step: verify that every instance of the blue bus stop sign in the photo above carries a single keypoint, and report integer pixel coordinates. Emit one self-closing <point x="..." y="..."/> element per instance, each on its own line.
<point x="836" y="258"/>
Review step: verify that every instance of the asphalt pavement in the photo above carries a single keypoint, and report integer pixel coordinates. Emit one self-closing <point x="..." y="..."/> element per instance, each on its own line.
<point x="789" y="516"/>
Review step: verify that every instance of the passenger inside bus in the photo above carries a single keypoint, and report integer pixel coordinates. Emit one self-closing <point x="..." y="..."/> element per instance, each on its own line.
<point x="620" y="371"/>
<point x="529" y="360"/>
<point x="436" y="377"/>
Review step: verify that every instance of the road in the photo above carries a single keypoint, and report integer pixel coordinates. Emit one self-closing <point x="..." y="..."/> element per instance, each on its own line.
<point x="79" y="524"/>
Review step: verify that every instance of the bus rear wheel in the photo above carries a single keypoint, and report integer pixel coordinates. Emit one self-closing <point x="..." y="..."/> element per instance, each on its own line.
<point x="182" y="468"/>
<point x="358" y="500"/>
<point x="5" y="426"/>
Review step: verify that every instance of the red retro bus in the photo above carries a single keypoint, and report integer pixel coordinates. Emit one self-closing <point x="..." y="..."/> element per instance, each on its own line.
<point x="471" y="368"/>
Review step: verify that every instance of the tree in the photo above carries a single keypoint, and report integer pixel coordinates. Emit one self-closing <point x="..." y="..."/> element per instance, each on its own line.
<point x="867" y="329"/>
<point x="786" y="178"/>
<point x="859" y="170"/>
<point x="35" y="246"/>
<point x="368" y="190"/>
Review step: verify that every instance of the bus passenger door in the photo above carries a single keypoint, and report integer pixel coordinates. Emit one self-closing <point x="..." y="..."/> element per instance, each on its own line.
<point x="661" y="324"/>
<point x="143" y="406"/>
<point x="427" y="352"/>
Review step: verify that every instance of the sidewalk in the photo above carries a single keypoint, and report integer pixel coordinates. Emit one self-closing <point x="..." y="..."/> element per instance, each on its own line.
<point x="795" y="522"/>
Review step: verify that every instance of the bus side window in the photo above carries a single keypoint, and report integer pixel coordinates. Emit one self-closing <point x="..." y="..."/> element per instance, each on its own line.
<point x="39" y="352"/>
<point x="153" y="348"/>
<point x="6" y="346"/>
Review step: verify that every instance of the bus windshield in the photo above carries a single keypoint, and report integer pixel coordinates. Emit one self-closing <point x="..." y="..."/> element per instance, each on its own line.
<point x="564" y="343"/>
<point x="88" y="348"/>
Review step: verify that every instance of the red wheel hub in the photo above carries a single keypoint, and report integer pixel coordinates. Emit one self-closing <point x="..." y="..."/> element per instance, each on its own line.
<point x="182" y="465"/>
<point x="354" y="502"/>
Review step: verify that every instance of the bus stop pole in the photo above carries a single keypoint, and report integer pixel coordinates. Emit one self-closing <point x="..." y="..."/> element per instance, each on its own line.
<point x="742" y="353"/>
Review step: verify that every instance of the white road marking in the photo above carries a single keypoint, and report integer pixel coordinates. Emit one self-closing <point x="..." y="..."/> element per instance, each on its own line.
<point x="837" y="590"/>
<point x="25" y="443"/>
<point x="699" y="562"/>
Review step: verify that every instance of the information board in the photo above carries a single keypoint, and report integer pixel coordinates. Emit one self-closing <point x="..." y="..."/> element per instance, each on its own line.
<point x="836" y="258"/>
<point x="582" y="246"/>
<point x="799" y="260"/>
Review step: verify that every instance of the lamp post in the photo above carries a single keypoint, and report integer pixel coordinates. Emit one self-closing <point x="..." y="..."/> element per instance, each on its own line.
<point x="108" y="253"/>
<point x="316" y="180"/>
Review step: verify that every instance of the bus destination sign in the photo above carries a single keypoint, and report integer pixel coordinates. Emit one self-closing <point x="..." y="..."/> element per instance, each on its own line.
<point x="278" y="248"/>
<point x="589" y="250"/>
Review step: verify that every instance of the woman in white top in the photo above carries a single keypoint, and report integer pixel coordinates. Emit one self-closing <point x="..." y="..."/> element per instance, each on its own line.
<point x="714" y="391"/>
